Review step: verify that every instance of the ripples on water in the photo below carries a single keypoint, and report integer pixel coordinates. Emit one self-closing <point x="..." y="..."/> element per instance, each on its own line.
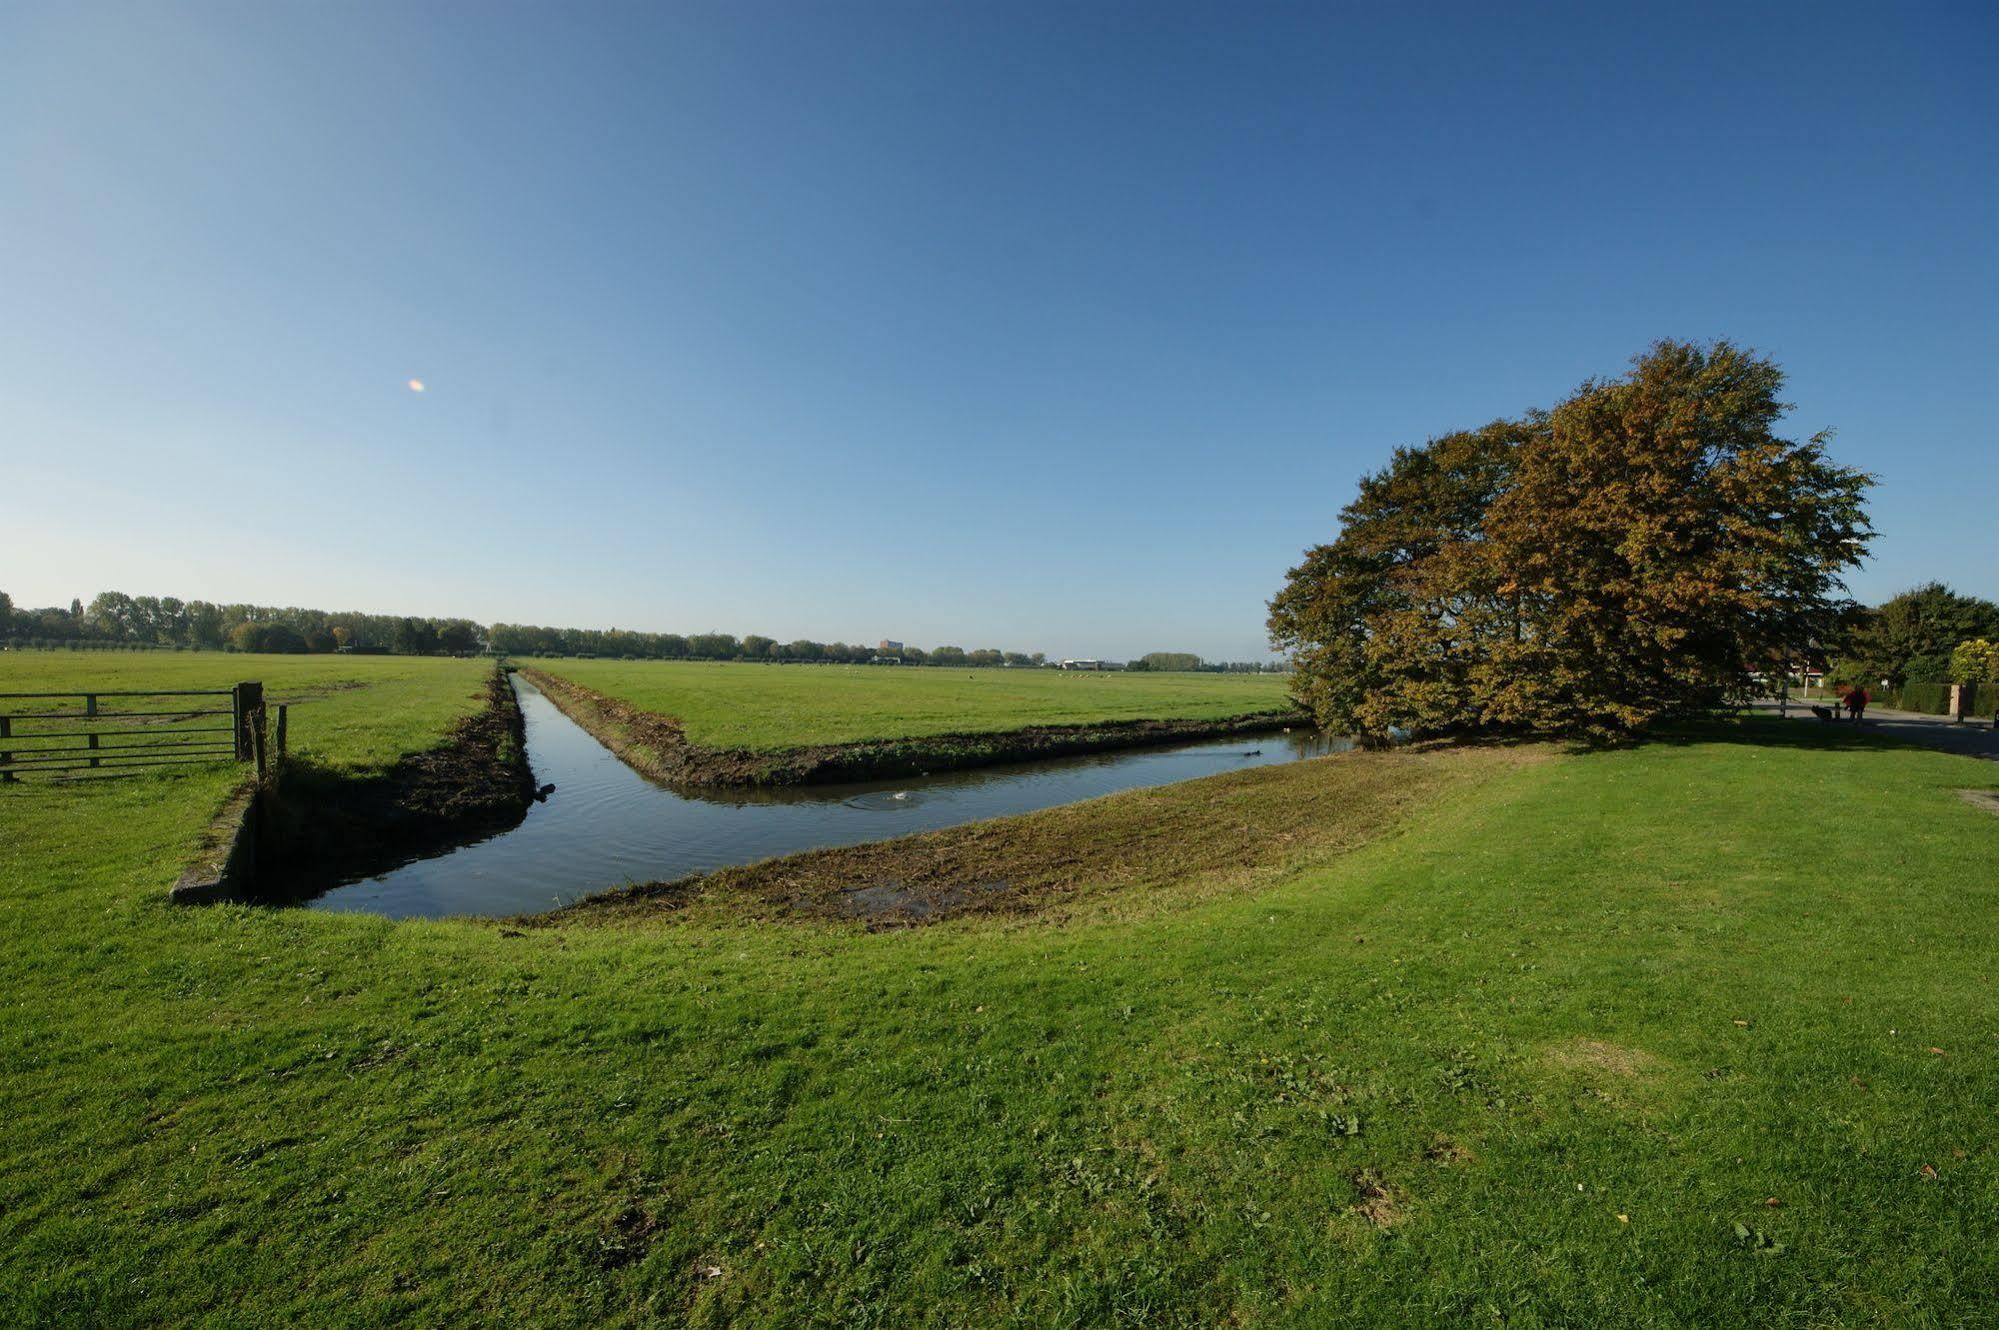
<point x="606" y="825"/>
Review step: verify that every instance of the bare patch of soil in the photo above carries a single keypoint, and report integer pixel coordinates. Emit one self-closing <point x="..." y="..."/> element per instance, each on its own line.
<point x="1599" y="1055"/>
<point x="1443" y="1150"/>
<point x="1986" y="799"/>
<point x="1377" y="1200"/>
<point x="912" y="903"/>
<point x="626" y="1239"/>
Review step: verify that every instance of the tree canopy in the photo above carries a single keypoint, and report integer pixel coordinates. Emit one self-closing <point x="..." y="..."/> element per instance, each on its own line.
<point x="1975" y="662"/>
<point x="1910" y="637"/>
<point x="1634" y="554"/>
<point x="1170" y="660"/>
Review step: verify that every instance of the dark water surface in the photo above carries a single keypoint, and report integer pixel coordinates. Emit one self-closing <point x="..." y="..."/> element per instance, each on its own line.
<point x="606" y="825"/>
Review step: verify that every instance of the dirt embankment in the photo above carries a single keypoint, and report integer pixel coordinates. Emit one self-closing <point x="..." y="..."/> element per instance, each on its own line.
<point x="320" y="825"/>
<point x="658" y="747"/>
<point x="1126" y="852"/>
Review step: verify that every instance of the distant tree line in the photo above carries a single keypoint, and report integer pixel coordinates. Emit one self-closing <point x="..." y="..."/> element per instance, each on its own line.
<point x="116" y="619"/>
<point x="1186" y="662"/>
<point x="515" y="639"/>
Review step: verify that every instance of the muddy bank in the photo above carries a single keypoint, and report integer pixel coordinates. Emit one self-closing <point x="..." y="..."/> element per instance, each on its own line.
<point x="317" y="826"/>
<point x="657" y="747"/>
<point x="1122" y="852"/>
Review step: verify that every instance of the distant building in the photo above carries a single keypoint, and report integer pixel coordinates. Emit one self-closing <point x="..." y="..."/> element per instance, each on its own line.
<point x="1082" y="664"/>
<point x="889" y="647"/>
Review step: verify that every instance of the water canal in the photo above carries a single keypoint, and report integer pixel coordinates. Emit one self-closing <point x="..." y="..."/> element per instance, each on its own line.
<point x="605" y="825"/>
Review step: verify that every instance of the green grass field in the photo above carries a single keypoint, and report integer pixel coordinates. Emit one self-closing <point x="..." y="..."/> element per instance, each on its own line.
<point x="1690" y="1035"/>
<point x="764" y="707"/>
<point x="350" y="713"/>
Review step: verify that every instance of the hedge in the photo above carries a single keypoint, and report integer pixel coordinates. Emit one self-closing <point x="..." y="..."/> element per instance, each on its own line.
<point x="1933" y="699"/>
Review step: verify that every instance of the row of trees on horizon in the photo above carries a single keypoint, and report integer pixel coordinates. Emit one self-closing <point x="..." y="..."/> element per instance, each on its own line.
<point x="114" y="618"/>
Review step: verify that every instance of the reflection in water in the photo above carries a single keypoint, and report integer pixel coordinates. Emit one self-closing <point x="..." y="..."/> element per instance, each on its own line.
<point x="605" y="825"/>
<point x="1155" y="766"/>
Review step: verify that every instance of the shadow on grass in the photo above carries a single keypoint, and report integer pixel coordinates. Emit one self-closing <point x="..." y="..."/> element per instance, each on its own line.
<point x="1777" y="732"/>
<point x="1767" y="731"/>
<point x="321" y="828"/>
<point x="1764" y="730"/>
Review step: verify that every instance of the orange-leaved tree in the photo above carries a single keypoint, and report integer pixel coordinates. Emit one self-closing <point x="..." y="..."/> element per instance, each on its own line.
<point x="1634" y="554"/>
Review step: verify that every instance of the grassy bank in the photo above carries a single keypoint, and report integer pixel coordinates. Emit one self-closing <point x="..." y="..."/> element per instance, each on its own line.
<point x="658" y="746"/>
<point x="1626" y="1038"/>
<point x="1128" y="855"/>
<point x="765" y="708"/>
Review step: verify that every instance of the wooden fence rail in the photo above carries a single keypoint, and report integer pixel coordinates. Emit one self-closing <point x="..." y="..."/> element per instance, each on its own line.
<point x="142" y="735"/>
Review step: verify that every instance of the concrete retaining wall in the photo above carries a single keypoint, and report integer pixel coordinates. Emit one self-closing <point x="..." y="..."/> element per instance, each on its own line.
<point x="226" y="866"/>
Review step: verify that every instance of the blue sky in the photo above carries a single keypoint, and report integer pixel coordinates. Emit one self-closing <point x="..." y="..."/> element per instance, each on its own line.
<point x="1059" y="327"/>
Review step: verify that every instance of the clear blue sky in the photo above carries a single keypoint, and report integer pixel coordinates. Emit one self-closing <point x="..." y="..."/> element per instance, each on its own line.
<point x="1051" y="326"/>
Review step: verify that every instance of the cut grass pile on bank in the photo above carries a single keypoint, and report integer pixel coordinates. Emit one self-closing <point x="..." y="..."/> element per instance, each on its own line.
<point x="1126" y="854"/>
<point x="767" y="707"/>
<point x="1628" y="1038"/>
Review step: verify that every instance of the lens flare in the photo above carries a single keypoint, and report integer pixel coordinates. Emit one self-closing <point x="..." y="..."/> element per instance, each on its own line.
<point x="416" y="385"/>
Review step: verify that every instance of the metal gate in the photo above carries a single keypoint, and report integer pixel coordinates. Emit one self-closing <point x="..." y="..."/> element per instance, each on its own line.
<point x="57" y="733"/>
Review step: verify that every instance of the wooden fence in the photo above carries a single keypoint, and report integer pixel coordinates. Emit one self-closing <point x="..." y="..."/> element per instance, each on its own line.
<point x="60" y="733"/>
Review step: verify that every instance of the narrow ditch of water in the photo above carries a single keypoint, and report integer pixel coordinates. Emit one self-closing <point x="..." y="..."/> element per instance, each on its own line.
<point x="605" y="825"/>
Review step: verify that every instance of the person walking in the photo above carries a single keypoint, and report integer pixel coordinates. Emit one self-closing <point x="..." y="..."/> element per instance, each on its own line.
<point x="1855" y="699"/>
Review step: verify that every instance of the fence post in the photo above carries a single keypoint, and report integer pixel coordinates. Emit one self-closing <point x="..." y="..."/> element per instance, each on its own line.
<point x="282" y="709"/>
<point x="246" y="698"/>
<point x="6" y="731"/>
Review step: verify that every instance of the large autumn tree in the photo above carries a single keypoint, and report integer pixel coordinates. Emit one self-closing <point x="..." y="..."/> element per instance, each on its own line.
<point x="1387" y="624"/>
<point x="1632" y="555"/>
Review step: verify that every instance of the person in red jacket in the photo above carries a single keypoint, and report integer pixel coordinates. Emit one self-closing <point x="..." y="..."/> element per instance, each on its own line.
<point x="1855" y="699"/>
